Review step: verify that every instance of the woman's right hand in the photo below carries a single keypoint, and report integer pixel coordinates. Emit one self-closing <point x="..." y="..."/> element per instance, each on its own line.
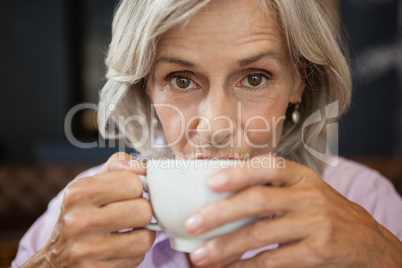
<point x="93" y="212"/>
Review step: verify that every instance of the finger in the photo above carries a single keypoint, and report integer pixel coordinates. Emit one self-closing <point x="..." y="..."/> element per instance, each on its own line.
<point x="259" y="201"/>
<point x="130" y="214"/>
<point x="122" y="161"/>
<point x="103" y="189"/>
<point x="131" y="244"/>
<point x="255" y="235"/>
<point x="216" y="264"/>
<point x="294" y="255"/>
<point x="114" y="246"/>
<point x="257" y="171"/>
<point x="118" y="263"/>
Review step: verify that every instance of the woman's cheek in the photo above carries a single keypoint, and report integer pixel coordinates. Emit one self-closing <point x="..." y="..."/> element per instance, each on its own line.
<point x="263" y="130"/>
<point x="173" y="123"/>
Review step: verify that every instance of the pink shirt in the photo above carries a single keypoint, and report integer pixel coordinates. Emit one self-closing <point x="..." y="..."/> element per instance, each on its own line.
<point x="358" y="183"/>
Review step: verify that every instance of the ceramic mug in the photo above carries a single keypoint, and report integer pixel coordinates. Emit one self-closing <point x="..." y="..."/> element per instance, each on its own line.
<point x="177" y="188"/>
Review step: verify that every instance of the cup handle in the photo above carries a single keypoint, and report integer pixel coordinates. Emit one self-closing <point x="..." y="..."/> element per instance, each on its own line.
<point x="150" y="226"/>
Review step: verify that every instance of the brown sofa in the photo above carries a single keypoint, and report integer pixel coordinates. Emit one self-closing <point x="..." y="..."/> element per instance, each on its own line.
<point x="25" y="191"/>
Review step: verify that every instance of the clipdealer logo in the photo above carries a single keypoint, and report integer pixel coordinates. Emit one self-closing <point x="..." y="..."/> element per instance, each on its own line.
<point x="330" y="156"/>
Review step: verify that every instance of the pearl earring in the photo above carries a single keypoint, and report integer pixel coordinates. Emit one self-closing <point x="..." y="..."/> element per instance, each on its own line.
<point x="296" y="114"/>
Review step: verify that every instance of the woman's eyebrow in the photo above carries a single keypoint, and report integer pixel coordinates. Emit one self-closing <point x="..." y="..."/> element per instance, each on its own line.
<point x="267" y="54"/>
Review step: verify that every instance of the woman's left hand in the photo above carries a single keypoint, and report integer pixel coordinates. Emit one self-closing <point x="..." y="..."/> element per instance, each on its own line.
<point x="317" y="225"/>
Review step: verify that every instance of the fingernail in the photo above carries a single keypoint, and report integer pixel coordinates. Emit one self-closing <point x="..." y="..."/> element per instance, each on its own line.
<point x="199" y="254"/>
<point x="218" y="180"/>
<point x="194" y="222"/>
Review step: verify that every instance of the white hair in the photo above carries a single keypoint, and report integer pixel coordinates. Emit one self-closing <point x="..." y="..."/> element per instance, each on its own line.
<point x="313" y="41"/>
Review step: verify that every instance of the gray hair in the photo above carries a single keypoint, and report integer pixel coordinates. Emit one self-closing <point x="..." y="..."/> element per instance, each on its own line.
<point x="313" y="41"/>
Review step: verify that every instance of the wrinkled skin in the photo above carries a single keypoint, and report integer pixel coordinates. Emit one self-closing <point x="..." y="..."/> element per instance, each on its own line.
<point x="319" y="227"/>
<point x="86" y="234"/>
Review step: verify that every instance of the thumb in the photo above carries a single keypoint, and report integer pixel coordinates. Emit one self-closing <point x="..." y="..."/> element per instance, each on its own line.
<point x="122" y="161"/>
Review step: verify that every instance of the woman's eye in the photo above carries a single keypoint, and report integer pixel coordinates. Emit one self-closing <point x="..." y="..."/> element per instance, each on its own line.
<point x="254" y="80"/>
<point x="182" y="83"/>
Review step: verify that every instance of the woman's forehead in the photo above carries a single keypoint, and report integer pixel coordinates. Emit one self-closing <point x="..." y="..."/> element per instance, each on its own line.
<point x="231" y="27"/>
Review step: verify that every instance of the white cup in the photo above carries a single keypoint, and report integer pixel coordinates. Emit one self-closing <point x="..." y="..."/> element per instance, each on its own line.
<point x="177" y="188"/>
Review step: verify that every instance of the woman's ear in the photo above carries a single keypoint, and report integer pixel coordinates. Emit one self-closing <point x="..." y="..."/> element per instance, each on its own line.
<point x="299" y="84"/>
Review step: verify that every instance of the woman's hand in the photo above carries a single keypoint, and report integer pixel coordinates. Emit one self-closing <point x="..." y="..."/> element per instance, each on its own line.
<point x="93" y="212"/>
<point x="317" y="226"/>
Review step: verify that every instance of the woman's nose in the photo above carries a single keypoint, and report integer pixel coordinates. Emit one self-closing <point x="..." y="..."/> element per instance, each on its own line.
<point x="219" y="122"/>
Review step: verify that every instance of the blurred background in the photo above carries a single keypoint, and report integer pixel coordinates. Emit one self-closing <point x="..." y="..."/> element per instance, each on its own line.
<point x="52" y="54"/>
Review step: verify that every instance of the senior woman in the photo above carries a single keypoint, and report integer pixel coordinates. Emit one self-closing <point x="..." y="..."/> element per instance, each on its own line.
<point x="214" y="71"/>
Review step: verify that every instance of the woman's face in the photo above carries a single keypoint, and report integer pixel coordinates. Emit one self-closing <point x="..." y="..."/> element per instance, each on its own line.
<point x="221" y="83"/>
